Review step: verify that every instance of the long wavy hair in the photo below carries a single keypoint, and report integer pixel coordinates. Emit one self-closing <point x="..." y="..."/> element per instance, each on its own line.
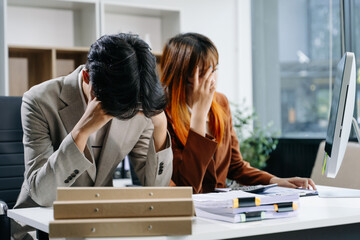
<point x="181" y="56"/>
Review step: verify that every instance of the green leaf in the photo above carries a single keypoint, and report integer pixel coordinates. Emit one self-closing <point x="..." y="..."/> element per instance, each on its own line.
<point x="256" y="142"/>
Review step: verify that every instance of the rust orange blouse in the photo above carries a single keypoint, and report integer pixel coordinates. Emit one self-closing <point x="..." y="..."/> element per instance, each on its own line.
<point x="205" y="166"/>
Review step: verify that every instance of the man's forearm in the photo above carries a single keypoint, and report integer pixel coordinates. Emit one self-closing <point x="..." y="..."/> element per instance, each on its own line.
<point x="80" y="138"/>
<point x="160" y="139"/>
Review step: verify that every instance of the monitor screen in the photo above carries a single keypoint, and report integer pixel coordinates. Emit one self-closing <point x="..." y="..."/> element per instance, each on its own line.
<point x="341" y="114"/>
<point x="334" y="105"/>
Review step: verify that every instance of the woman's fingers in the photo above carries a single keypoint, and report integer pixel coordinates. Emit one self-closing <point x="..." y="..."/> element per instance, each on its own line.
<point x="305" y="184"/>
<point x="312" y="184"/>
<point x="204" y="87"/>
<point x="208" y="73"/>
<point x="208" y="82"/>
<point x="213" y="85"/>
<point x="196" y="79"/>
<point x="208" y="79"/>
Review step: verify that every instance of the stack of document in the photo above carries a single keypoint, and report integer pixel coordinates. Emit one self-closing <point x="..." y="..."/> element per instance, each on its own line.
<point x="239" y="206"/>
<point x="113" y="212"/>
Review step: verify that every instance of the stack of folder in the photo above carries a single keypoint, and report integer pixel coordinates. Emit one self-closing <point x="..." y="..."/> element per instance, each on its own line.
<point x="113" y="212"/>
<point x="239" y="206"/>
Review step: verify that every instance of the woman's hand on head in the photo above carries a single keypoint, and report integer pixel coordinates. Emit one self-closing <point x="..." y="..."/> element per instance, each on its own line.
<point x="202" y="95"/>
<point x="294" y="182"/>
<point x="203" y="91"/>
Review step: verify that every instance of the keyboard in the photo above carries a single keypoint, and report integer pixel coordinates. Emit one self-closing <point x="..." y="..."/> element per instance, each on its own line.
<point x="253" y="189"/>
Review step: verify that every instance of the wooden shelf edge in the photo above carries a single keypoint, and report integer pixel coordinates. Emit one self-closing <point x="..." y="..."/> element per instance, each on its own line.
<point x="63" y="49"/>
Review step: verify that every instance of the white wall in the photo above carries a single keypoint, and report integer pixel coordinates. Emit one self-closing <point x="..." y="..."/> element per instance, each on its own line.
<point x="27" y="27"/>
<point x="61" y="25"/>
<point x="243" y="82"/>
<point x="228" y="24"/>
<point x="149" y="25"/>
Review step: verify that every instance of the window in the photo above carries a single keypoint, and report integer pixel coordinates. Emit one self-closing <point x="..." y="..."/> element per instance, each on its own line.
<point x="296" y="47"/>
<point x="354" y="34"/>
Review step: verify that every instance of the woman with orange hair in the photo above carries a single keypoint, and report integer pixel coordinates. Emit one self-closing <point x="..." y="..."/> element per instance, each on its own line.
<point x="205" y="146"/>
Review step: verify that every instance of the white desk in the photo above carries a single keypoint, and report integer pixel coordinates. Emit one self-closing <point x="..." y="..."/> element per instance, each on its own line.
<point x="314" y="213"/>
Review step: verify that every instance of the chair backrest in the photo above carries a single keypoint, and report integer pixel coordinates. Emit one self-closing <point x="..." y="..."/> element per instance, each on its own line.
<point x="11" y="150"/>
<point x="348" y="175"/>
<point x="134" y="178"/>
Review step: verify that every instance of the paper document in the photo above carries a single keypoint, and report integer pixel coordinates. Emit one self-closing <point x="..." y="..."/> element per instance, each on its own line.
<point x="281" y="207"/>
<point x="285" y="191"/>
<point x="228" y="199"/>
<point x="243" y="217"/>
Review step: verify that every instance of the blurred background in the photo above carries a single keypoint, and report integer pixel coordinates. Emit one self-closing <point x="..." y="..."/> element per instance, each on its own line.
<point x="277" y="57"/>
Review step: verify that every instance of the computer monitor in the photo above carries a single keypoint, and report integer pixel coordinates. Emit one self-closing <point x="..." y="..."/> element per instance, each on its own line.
<point x="341" y="115"/>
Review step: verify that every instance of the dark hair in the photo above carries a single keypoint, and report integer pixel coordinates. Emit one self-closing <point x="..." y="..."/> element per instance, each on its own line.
<point x="123" y="76"/>
<point x="181" y="56"/>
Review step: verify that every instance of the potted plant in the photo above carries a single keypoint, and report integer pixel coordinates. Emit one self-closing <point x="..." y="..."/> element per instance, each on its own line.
<point x="256" y="141"/>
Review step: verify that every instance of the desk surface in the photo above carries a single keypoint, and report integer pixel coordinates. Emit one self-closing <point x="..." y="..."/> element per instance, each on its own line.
<point x="314" y="212"/>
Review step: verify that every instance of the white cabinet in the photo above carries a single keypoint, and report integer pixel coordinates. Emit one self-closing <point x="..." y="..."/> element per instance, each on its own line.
<point x="42" y="39"/>
<point x="52" y="23"/>
<point x="154" y="24"/>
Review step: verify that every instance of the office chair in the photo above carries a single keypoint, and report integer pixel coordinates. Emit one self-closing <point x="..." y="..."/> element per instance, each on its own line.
<point x="347" y="176"/>
<point x="11" y="158"/>
<point x="134" y="178"/>
<point x="121" y="172"/>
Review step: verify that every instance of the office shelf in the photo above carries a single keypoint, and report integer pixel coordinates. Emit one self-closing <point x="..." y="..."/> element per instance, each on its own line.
<point x="30" y="65"/>
<point x="154" y="24"/>
<point x="43" y="39"/>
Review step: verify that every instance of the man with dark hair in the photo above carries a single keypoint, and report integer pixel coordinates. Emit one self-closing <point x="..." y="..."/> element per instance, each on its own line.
<point x="79" y="127"/>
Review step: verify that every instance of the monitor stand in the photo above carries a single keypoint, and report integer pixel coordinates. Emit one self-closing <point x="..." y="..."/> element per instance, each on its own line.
<point x="336" y="192"/>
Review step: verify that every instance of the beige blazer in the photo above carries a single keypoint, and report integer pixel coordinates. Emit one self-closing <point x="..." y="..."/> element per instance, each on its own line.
<point x="49" y="112"/>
